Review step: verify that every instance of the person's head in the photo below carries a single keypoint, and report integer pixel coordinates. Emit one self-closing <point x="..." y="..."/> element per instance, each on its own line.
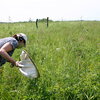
<point x="21" y="38"/>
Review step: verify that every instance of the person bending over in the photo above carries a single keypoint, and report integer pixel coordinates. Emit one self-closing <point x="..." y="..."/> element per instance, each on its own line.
<point x="8" y="46"/>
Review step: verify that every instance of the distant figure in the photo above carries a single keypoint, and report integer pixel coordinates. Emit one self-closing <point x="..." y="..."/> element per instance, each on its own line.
<point x="8" y="45"/>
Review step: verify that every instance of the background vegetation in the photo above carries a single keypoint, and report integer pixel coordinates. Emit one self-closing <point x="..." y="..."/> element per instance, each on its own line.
<point x="67" y="55"/>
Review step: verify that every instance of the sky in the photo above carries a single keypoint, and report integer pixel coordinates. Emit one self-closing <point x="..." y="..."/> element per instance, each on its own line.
<point x="24" y="10"/>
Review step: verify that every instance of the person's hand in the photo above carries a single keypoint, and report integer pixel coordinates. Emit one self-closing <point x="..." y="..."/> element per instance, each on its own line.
<point x="18" y="64"/>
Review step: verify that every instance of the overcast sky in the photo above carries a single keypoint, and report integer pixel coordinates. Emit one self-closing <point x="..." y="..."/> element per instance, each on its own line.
<point x="23" y="10"/>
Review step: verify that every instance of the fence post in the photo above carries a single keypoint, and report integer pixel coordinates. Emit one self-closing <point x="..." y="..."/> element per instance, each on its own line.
<point x="36" y="23"/>
<point x="47" y="21"/>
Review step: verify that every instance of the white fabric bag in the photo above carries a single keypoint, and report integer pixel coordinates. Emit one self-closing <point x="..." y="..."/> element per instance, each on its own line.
<point x="28" y="68"/>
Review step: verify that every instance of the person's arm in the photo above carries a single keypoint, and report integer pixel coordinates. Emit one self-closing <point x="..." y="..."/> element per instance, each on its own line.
<point x="3" y="52"/>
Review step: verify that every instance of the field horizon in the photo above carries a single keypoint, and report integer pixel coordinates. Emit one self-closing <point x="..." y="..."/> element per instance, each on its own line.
<point x="67" y="55"/>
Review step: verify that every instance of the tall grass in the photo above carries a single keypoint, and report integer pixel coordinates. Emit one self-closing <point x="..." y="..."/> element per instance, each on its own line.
<point x="67" y="55"/>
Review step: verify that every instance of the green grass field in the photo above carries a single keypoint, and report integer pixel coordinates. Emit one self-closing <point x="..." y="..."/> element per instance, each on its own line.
<point x="67" y="55"/>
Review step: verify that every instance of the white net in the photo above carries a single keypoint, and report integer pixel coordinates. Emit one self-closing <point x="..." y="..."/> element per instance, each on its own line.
<point x="28" y="68"/>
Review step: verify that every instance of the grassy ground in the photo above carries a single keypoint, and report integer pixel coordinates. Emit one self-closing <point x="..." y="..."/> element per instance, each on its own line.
<point x="67" y="55"/>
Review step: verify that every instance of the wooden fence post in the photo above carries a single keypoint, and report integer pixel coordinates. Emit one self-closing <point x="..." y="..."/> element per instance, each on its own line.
<point x="36" y="23"/>
<point x="47" y="21"/>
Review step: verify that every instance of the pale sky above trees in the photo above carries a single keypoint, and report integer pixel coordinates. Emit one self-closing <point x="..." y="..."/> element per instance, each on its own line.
<point x="23" y="10"/>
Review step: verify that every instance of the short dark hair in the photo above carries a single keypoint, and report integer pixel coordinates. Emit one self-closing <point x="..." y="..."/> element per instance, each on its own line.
<point x="20" y="38"/>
